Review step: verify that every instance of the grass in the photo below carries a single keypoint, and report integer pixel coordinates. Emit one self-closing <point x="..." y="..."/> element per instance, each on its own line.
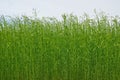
<point x="68" y="49"/>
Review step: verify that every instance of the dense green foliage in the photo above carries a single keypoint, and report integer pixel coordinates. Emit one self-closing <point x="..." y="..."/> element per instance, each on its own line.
<point x="69" y="49"/>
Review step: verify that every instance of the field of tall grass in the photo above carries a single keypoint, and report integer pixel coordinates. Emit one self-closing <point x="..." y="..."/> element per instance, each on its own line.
<point x="74" y="48"/>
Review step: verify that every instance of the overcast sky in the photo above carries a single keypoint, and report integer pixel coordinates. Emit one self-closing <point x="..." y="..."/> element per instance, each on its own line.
<point x="58" y="7"/>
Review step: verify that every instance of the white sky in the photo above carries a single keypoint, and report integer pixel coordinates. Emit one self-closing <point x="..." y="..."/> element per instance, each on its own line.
<point x="58" y="7"/>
